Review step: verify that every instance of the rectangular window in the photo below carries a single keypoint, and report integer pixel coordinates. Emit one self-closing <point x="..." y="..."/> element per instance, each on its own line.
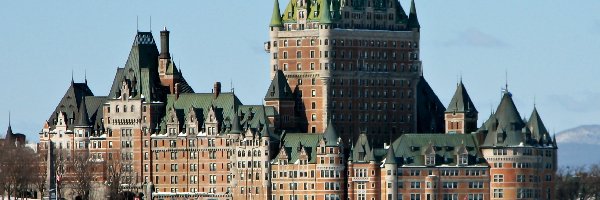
<point x="499" y="193"/>
<point x="498" y="178"/>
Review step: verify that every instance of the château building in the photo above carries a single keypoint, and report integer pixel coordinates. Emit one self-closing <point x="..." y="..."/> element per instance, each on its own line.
<point x="347" y="115"/>
<point x="355" y="63"/>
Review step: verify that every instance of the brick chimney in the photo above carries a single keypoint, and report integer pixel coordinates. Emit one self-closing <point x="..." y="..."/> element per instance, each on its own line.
<point x="164" y="44"/>
<point x="217" y="89"/>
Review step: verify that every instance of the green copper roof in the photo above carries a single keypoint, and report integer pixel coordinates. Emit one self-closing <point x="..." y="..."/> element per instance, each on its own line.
<point x="276" y="18"/>
<point x="538" y="129"/>
<point x="331" y="136"/>
<point x="325" y="13"/>
<point x="292" y="142"/>
<point x="506" y="128"/>
<point x="413" y="20"/>
<point x="461" y="102"/>
<point x="410" y="148"/>
<point x="390" y="156"/>
<point x="363" y="151"/>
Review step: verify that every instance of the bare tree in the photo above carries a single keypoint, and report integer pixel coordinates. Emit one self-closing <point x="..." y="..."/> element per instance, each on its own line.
<point x="114" y="176"/>
<point x="82" y="175"/>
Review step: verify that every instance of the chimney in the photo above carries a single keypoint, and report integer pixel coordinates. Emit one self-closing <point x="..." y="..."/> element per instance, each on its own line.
<point x="176" y="90"/>
<point x="217" y="89"/>
<point x="164" y="44"/>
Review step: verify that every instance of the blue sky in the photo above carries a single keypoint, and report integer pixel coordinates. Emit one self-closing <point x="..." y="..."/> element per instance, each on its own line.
<point x="549" y="49"/>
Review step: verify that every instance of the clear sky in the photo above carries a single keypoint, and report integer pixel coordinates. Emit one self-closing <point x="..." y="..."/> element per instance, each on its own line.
<point x="549" y="48"/>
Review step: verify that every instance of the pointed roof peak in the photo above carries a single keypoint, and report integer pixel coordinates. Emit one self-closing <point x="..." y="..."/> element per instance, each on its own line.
<point x="536" y="125"/>
<point x="83" y="117"/>
<point x="390" y="157"/>
<point x="330" y="135"/>
<point x="461" y="102"/>
<point x="413" y="20"/>
<point x="325" y="13"/>
<point x="279" y="88"/>
<point x="276" y="17"/>
<point x="235" y="122"/>
<point x="9" y="131"/>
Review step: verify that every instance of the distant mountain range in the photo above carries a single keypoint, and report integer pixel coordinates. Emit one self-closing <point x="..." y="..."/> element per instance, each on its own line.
<point x="578" y="146"/>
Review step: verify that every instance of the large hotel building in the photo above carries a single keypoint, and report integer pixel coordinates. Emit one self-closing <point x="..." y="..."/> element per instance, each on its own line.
<point x="348" y="115"/>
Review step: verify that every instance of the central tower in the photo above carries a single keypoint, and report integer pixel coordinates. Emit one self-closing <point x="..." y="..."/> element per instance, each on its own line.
<point x="356" y="63"/>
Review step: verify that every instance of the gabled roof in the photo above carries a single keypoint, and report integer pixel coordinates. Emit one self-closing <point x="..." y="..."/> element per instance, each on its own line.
<point x="413" y="20"/>
<point x="363" y="147"/>
<point x="279" y="88"/>
<point x="276" y="17"/>
<point x="410" y="149"/>
<point x="461" y="102"/>
<point x="292" y="141"/>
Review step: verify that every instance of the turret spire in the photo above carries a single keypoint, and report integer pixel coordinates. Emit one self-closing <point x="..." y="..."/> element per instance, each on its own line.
<point x="84" y="119"/>
<point x="235" y="122"/>
<point x="413" y="20"/>
<point x="325" y="13"/>
<point x="276" y="18"/>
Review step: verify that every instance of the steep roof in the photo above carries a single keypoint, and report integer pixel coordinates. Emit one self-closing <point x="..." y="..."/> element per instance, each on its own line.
<point x="362" y="151"/>
<point x="276" y="17"/>
<point x="292" y="141"/>
<point x="390" y="157"/>
<point x="83" y="118"/>
<point x="430" y="110"/>
<point x="140" y="70"/>
<point x="410" y="149"/>
<point x="413" y="20"/>
<point x="461" y="102"/>
<point x="331" y="136"/>
<point x="279" y="88"/>
<point x="325" y="14"/>
<point x="235" y="123"/>
<point x="538" y="129"/>
<point x="505" y="127"/>
<point x="70" y="103"/>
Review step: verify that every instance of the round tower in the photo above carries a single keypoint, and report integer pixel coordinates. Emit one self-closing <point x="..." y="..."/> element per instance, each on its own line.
<point x="391" y="179"/>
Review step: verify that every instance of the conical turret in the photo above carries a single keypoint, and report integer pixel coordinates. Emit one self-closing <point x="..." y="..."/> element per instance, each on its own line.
<point x="276" y="18"/>
<point x="83" y="118"/>
<point x="390" y="157"/>
<point x="330" y="136"/>
<point x="413" y="20"/>
<point x="325" y="17"/>
<point x="235" y="123"/>
<point x="537" y="127"/>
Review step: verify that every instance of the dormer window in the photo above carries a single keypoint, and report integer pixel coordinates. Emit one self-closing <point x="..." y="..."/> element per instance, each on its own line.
<point x="361" y="156"/>
<point x="463" y="159"/>
<point x="430" y="159"/>
<point x="500" y="137"/>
